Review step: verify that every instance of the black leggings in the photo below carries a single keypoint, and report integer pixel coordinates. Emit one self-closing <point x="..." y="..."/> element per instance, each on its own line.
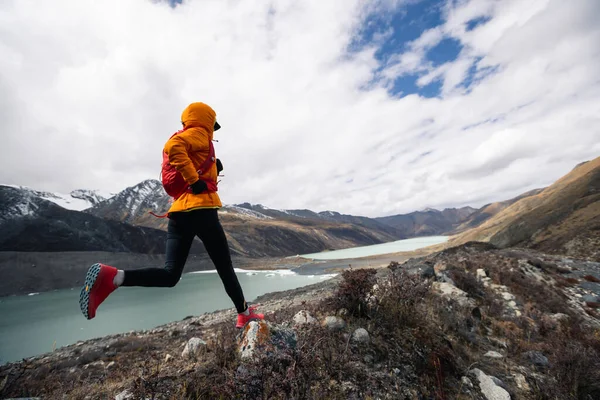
<point x="183" y="227"/>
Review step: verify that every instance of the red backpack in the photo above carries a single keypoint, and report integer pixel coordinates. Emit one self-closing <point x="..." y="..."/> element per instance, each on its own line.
<point x="173" y="181"/>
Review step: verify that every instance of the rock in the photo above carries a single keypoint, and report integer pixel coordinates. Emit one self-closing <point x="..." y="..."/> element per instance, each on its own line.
<point x="536" y="358"/>
<point x="512" y="304"/>
<point x="493" y="354"/>
<point x="334" y="323"/>
<point x="256" y="335"/>
<point x="498" y="342"/>
<point x="303" y="318"/>
<point x="443" y="277"/>
<point x="396" y="371"/>
<point x="124" y="395"/>
<point x="439" y="267"/>
<point x="95" y="364"/>
<point x="111" y="365"/>
<point x="480" y="275"/>
<point x="446" y="289"/>
<point x="342" y="312"/>
<point x="168" y="358"/>
<point x="521" y="382"/>
<point x="508" y="296"/>
<point x="488" y="386"/>
<point x="466" y="382"/>
<point x="192" y="347"/>
<point x="369" y="359"/>
<point x="361" y="336"/>
<point x="259" y="335"/>
<point x="425" y="270"/>
<point x="558" y="317"/>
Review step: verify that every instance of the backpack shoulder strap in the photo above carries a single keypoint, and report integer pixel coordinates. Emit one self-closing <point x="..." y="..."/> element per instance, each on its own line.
<point x="209" y="160"/>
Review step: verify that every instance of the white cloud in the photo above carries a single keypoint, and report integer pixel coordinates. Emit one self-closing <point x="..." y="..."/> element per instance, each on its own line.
<point x="90" y="91"/>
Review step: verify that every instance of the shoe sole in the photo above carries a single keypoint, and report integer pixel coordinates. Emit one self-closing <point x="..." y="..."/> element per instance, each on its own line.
<point x="84" y="295"/>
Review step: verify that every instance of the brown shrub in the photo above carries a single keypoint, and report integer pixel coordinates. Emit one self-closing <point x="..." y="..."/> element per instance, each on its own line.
<point x="355" y="290"/>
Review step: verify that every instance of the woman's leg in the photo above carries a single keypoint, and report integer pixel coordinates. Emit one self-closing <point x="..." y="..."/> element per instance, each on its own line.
<point x="179" y="241"/>
<point x="209" y="230"/>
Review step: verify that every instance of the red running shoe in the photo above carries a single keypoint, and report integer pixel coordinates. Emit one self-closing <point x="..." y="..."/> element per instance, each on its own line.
<point x="98" y="285"/>
<point x="243" y="319"/>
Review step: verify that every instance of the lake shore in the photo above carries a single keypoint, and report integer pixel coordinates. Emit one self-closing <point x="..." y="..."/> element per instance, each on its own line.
<point x="38" y="272"/>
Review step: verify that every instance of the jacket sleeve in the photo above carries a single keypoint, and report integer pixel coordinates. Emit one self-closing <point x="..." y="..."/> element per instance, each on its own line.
<point x="177" y="149"/>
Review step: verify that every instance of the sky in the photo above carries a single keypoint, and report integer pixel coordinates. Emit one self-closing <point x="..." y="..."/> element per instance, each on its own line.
<point x="364" y="107"/>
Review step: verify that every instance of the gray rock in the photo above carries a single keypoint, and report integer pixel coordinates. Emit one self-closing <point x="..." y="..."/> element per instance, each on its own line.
<point x="466" y="382"/>
<point x="446" y="289"/>
<point x="168" y="358"/>
<point x="361" y="336"/>
<point x="493" y="354"/>
<point x="268" y="338"/>
<point x="425" y="270"/>
<point x="111" y="365"/>
<point x="369" y="359"/>
<point x="508" y="296"/>
<point x="334" y="323"/>
<point x="124" y="395"/>
<point x="480" y="275"/>
<point x="536" y="358"/>
<point x="304" y="318"/>
<point x="558" y="317"/>
<point x="521" y="382"/>
<point x="498" y="342"/>
<point x="192" y="347"/>
<point x="488" y="386"/>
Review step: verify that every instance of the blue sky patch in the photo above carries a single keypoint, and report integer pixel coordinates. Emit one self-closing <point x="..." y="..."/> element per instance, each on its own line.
<point x="446" y="50"/>
<point x="407" y="84"/>
<point x="475" y="22"/>
<point x="393" y="31"/>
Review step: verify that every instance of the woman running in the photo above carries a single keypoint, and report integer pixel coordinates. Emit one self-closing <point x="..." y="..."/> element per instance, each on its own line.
<point x="190" y="154"/>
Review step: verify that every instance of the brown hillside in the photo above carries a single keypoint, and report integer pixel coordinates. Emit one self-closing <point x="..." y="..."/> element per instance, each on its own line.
<point x="563" y="218"/>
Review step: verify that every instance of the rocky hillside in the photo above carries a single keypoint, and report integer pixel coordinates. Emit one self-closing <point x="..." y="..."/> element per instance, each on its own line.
<point x="31" y="223"/>
<point x="254" y="231"/>
<point x="429" y="222"/>
<point x="488" y="211"/>
<point x="472" y="322"/>
<point x="564" y="218"/>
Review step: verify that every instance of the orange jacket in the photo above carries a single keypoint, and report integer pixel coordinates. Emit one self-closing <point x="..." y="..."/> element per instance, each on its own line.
<point x="187" y="152"/>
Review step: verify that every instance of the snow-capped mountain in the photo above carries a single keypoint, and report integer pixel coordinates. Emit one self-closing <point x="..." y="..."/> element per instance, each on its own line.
<point x="30" y="222"/>
<point x="133" y="203"/>
<point x="77" y="200"/>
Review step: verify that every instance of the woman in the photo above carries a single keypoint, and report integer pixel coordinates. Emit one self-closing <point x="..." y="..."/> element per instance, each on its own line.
<point x="193" y="213"/>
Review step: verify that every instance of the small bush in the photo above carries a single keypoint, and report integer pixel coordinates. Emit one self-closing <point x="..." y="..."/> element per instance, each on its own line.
<point x="467" y="282"/>
<point x="355" y="290"/>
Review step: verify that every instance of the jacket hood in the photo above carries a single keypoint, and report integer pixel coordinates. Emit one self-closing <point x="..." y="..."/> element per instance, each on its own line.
<point x="199" y="115"/>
